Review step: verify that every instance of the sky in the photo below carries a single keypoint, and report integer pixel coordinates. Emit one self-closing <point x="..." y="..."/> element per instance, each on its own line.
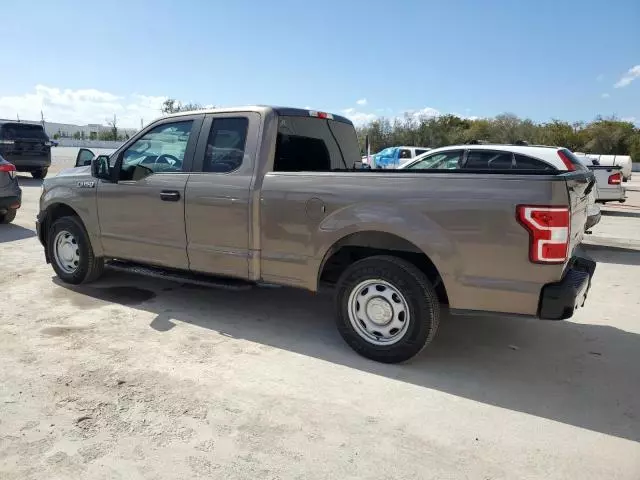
<point x="81" y="63"/>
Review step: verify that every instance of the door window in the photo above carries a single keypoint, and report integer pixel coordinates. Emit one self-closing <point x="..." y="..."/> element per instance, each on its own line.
<point x="439" y="161"/>
<point x="488" y="160"/>
<point x="527" y="163"/>
<point x="404" y="154"/>
<point x="226" y="143"/>
<point x="160" y="150"/>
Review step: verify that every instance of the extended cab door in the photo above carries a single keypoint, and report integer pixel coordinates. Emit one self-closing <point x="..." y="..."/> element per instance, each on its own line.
<point x="141" y="213"/>
<point x="218" y="195"/>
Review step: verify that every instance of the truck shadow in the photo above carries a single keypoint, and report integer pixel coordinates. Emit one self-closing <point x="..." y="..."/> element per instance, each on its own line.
<point x="13" y="232"/>
<point x="614" y="255"/>
<point x="585" y="375"/>
<point x="621" y="213"/>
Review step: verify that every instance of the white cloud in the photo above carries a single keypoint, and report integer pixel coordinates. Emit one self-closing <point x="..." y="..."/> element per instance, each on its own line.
<point x="361" y="118"/>
<point x="605" y="95"/>
<point x="358" y="118"/>
<point x="362" y="102"/>
<point x="627" y="78"/>
<point x="630" y="119"/>
<point x="81" y="106"/>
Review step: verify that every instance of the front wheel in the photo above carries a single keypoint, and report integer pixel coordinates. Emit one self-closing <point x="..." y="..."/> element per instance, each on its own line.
<point x="71" y="253"/>
<point x="388" y="310"/>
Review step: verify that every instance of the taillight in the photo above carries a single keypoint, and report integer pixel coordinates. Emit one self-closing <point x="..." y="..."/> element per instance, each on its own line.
<point x="8" y="168"/>
<point x="615" y="179"/>
<point x="549" y="229"/>
<point x="7" y="142"/>
<point x="325" y="115"/>
<point x="566" y="160"/>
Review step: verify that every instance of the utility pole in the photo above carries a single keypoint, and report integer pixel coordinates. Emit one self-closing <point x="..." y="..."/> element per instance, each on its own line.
<point x="18" y="116"/>
<point x="42" y="117"/>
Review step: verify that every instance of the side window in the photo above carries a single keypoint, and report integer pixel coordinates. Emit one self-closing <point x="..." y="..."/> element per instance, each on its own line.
<point x="404" y="154"/>
<point x="488" y="160"/>
<point x="306" y="145"/>
<point x="160" y="150"/>
<point x="226" y="143"/>
<point x="528" y="163"/>
<point x="420" y="151"/>
<point x="439" y="161"/>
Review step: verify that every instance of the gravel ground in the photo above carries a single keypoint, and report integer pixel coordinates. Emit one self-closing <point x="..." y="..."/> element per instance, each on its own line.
<point x="144" y="379"/>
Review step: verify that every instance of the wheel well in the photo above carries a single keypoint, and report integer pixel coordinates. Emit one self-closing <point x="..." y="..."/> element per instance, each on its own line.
<point x="54" y="212"/>
<point x="361" y="245"/>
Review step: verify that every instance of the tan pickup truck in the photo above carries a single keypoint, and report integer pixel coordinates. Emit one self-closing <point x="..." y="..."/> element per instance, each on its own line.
<point x="271" y="195"/>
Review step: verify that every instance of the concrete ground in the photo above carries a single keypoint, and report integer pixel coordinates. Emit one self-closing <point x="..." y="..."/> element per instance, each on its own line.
<point x="133" y="378"/>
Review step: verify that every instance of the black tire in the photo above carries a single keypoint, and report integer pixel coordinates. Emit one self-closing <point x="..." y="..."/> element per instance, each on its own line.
<point x="89" y="266"/>
<point x="40" y="174"/>
<point x="420" y="297"/>
<point x="9" y="216"/>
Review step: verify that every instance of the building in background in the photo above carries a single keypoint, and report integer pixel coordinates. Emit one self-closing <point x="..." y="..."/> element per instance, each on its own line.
<point x="92" y="131"/>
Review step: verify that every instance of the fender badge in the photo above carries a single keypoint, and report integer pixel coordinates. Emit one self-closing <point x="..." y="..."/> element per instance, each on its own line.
<point x="87" y="184"/>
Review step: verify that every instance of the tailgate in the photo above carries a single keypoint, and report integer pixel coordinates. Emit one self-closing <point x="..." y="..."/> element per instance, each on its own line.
<point x="579" y="187"/>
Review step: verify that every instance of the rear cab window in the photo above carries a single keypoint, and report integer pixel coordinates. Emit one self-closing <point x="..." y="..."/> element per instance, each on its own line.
<point x="311" y="144"/>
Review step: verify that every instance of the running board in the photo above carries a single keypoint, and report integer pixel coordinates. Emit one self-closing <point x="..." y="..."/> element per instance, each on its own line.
<point x="180" y="276"/>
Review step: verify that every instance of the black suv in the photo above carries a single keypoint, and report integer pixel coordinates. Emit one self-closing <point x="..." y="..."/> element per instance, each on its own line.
<point x="27" y="146"/>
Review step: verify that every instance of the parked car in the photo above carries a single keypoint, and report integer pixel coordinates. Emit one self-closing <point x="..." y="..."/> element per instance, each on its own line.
<point x="241" y="196"/>
<point x="393" y="157"/>
<point x="10" y="192"/>
<point x="623" y="161"/>
<point x="27" y="146"/>
<point x="491" y="157"/>
<point x="608" y="180"/>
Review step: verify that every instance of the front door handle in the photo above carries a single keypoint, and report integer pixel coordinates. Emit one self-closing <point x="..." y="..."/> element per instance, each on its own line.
<point x="170" y="195"/>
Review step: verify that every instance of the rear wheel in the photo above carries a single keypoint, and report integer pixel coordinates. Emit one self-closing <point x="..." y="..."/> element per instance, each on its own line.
<point x="71" y="253"/>
<point x="9" y="216"/>
<point x="40" y="173"/>
<point x="388" y="310"/>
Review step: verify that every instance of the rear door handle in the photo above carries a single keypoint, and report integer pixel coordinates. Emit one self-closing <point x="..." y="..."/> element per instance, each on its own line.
<point x="170" y="195"/>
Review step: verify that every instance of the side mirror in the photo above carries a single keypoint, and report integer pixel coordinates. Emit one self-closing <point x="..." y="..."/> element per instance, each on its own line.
<point x="100" y="167"/>
<point x="84" y="157"/>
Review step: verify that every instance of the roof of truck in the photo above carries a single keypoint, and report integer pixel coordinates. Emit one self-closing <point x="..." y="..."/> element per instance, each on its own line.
<point x="289" y="111"/>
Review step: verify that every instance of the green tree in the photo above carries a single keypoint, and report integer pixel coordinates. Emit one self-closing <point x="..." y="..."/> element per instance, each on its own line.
<point x="171" y="105"/>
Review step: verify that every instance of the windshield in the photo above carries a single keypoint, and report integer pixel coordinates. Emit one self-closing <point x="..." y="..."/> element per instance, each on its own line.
<point x="387" y="152"/>
<point x="20" y="131"/>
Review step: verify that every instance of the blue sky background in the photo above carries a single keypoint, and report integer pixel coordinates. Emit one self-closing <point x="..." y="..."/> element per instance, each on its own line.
<point x="539" y="59"/>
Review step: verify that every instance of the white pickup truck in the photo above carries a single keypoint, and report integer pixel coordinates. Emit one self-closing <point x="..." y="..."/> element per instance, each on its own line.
<point x="608" y="180"/>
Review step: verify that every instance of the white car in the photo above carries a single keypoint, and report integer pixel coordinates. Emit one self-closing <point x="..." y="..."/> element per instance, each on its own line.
<point x="499" y="157"/>
<point x="608" y="181"/>
<point x="622" y="161"/>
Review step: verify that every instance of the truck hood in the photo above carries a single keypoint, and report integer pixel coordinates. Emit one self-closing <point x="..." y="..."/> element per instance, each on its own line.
<point x="76" y="172"/>
<point x="68" y="177"/>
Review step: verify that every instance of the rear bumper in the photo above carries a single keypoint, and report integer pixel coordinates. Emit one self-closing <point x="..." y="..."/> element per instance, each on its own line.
<point x="558" y="301"/>
<point x="10" y="203"/>
<point x="28" y="163"/>
<point x="611" y="194"/>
